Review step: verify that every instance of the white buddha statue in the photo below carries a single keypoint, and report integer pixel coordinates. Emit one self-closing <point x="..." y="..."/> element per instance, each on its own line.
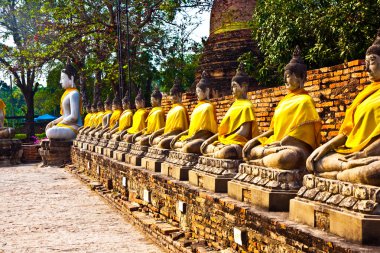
<point x="66" y="127"/>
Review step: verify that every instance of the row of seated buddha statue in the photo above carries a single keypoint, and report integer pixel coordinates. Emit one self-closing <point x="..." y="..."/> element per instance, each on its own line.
<point x="283" y="168"/>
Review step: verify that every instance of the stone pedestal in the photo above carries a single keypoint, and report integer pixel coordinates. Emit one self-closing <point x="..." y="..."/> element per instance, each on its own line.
<point x="122" y="149"/>
<point x="213" y="174"/>
<point x="154" y="158"/>
<point x="93" y="142"/>
<point x="102" y="144"/>
<point x="55" y="152"/>
<point x="10" y="152"/>
<point x="268" y="188"/>
<point x="348" y="210"/>
<point x="135" y="155"/>
<point x="178" y="165"/>
<point x="111" y="147"/>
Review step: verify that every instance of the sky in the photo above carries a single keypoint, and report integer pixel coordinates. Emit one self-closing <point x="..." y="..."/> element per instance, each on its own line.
<point x="201" y="31"/>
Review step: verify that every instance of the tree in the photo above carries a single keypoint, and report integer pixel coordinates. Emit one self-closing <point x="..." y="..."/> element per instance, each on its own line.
<point x="328" y="32"/>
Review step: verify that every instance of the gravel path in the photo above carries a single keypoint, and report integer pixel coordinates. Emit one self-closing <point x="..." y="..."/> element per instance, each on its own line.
<point x="48" y="210"/>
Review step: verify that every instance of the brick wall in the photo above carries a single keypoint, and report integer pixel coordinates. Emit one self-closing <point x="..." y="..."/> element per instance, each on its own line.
<point x="332" y="88"/>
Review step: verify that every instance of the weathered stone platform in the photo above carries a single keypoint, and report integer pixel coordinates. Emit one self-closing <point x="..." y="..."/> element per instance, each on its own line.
<point x="55" y="152"/>
<point x="122" y="149"/>
<point x="154" y="158"/>
<point x="206" y="216"/>
<point x="268" y="188"/>
<point x="213" y="174"/>
<point x="112" y="146"/>
<point x="10" y="152"/>
<point x="178" y="165"/>
<point x="349" y="210"/>
<point x="102" y="144"/>
<point x="136" y="153"/>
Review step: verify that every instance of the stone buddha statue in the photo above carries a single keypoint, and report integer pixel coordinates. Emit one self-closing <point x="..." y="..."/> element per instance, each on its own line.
<point x="91" y="121"/>
<point x="176" y="121"/>
<point x="5" y="132"/>
<point x="105" y="118"/>
<point x="66" y="127"/>
<point x="354" y="154"/>
<point x="238" y="125"/>
<point x="124" y="122"/>
<point x="295" y="127"/>
<point x="203" y="123"/>
<point x="86" y="121"/>
<point x="138" y="121"/>
<point x="98" y="120"/>
<point x="110" y="122"/>
<point x="154" y="122"/>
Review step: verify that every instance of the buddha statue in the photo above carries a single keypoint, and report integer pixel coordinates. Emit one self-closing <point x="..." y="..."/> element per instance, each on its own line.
<point x="105" y="118"/>
<point x="354" y="154"/>
<point x="238" y="125"/>
<point x="5" y="132"/>
<point x="295" y="127"/>
<point x="86" y="121"/>
<point x="154" y="122"/>
<point x="176" y="121"/>
<point x="66" y="127"/>
<point x="91" y="121"/>
<point x="203" y="123"/>
<point x="124" y="122"/>
<point x="98" y="118"/>
<point x="111" y="121"/>
<point x="138" y="121"/>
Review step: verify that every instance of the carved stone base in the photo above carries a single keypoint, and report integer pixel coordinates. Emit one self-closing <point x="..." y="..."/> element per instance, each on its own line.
<point x="268" y="188"/>
<point x="154" y="158"/>
<point x="101" y="146"/>
<point x="111" y="147"/>
<point x="55" y="152"/>
<point x="122" y="150"/>
<point x="213" y="174"/>
<point x="178" y="165"/>
<point x="348" y="210"/>
<point x="135" y="155"/>
<point x="92" y="144"/>
<point x="10" y="152"/>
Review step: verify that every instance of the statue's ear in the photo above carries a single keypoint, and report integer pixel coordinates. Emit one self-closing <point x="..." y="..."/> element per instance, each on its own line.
<point x="208" y="92"/>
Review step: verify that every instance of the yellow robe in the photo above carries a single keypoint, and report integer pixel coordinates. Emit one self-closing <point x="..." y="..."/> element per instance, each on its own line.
<point x="139" y="123"/>
<point x="297" y="117"/>
<point x="87" y="119"/>
<point x="239" y="113"/>
<point x="92" y="120"/>
<point x="155" y="120"/>
<point x="362" y="120"/>
<point x="177" y="119"/>
<point x="2" y="106"/>
<point x="125" y="120"/>
<point x="98" y="119"/>
<point x="115" y="117"/>
<point x="202" y="118"/>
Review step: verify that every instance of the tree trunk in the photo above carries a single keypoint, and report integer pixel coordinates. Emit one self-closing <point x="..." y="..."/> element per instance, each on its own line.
<point x="29" y="117"/>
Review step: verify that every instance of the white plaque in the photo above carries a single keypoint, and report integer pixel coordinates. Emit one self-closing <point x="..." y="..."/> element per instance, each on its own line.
<point x="147" y="196"/>
<point x="238" y="238"/>
<point x="124" y="181"/>
<point x="182" y="206"/>
<point x="98" y="169"/>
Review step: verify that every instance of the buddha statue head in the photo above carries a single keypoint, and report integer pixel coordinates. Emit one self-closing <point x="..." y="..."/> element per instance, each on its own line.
<point x="88" y="107"/>
<point x="125" y="101"/>
<point x="203" y="87"/>
<point x="139" y="100"/>
<point x="295" y="71"/>
<point x="240" y="83"/>
<point x="372" y="60"/>
<point x="156" y="97"/>
<point x="116" y="103"/>
<point x="100" y="106"/>
<point x="108" y="103"/>
<point x="67" y="76"/>
<point x="176" y="92"/>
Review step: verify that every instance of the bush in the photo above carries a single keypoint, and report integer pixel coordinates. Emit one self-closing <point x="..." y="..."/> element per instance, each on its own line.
<point x="20" y="136"/>
<point x="329" y="32"/>
<point x="41" y="136"/>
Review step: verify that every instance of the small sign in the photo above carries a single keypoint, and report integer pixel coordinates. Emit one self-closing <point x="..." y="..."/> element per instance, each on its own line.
<point x="240" y="236"/>
<point x="124" y="182"/>
<point x="182" y="206"/>
<point x="147" y="196"/>
<point x="88" y="165"/>
<point x="98" y="169"/>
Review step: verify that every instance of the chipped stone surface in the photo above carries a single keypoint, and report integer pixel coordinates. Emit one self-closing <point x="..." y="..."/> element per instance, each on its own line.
<point x="48" y="210"/>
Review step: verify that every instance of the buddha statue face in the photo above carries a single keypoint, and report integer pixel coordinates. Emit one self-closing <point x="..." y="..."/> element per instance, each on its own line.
<point x="66" y="81"/>
<point x="293" y="82"/>
<point x="155" y="101"/>
<point x="372" y="63"/>
<point x="126" y="105"/>
<point x="116" y="107"/>
<point x="139" y="104"/>
<point x="238" y="91"/>
<point x="175" y="98"/>
<point x="202" y="94"/>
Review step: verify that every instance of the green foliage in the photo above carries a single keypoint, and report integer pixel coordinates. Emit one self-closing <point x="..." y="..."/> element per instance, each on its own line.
<point x="328" y="32"/>
<point x="41" y="136"/>
<point x="20" y="136"/>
